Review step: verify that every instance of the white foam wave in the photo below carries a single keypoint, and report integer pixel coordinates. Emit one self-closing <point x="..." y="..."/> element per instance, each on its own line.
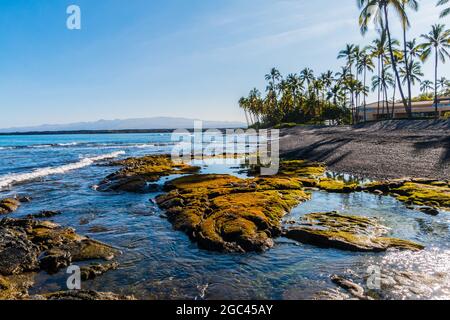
<point x="8" y="180"/>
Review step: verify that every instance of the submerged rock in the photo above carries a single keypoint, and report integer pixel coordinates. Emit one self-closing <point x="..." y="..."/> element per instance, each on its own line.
<point x="94" y="270"/>
<point x="9" y="205"/>
<point x="345" y="232"/>
<point x="45" y="214"/>
<point x="138" y="174"/>
<point x="82" y="295"/>
<point x="354" y="289"/>
<point x="225" y="213"/>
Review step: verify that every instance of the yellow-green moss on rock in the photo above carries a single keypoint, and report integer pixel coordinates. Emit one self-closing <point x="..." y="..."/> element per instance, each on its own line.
<point x="345" y="232"/>
<point x="9" y="205"/>
<point x="138" y="173"/>
<point x="422" y="192"/>
<point x="229" y="214"/>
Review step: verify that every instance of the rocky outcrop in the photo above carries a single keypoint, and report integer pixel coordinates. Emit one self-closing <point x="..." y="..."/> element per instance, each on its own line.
<point x="345" y="232"/>
<point x="30" y="245"/>
<point x="9" y="205"/>
<point x="228" y="214"/>
<point x="420" y="192"/>
<point x="138" y="174"/>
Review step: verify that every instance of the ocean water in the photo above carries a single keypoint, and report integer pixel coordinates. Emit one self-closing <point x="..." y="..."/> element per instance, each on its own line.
<point x="60" y="171"/>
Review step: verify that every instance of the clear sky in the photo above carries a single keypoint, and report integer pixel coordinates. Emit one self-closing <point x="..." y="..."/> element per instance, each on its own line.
<point x="141" y="58"/>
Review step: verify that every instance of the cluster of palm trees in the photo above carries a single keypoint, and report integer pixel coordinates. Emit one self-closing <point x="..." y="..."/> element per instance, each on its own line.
<point x="395" y="66"/>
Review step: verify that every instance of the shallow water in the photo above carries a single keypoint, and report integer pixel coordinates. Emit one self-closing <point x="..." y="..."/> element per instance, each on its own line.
<point x="158" y="262"/>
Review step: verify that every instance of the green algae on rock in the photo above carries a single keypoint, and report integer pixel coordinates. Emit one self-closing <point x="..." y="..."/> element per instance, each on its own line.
<point x="421" y="192"/>
<point x="336" y="186"/>
<point x="15" y="287"/>
<point x="229" y="214"/>
<point x="345" y="232"/>
<point x="9" y="205"/>
<point x="138" y="173"/>
<point x="294" y="168"/>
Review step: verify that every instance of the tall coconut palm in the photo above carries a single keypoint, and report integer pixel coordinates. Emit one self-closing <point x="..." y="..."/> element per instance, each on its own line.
<point x="243" y="104"/>
<point x="446" y="11"/>
<point x="426" y="86"/>
<point x="364" y="64"/>
<point x="414" y="5"/>
<point x="307" y="76"/>
<point x="413" y="72"/>
<point x="378" y="12"/>
<point x="443" y="84"/>
<point x="379" y="49"/>
<point x="273" y="77"/>
<point x="437" y="40"/>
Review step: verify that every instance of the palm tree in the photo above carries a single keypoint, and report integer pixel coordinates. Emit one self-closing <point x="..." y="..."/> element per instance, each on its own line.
<point x="413" y="72"/>
<point x="426" y="86"/>
<point x="364" y="64"/>
<point x="446" y="11"/>
<point x="438" y="39"/>
<point x="273" y="77"/>
<point x="243" y="104"/>
<point x="443" y="83"/>
<point x="377" y="11"/>
<point x="413" y="4"/>
<point x="307" y="76"/>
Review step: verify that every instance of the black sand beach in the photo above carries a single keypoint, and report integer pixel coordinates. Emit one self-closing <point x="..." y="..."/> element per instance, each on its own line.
<point x="390" y="149"/>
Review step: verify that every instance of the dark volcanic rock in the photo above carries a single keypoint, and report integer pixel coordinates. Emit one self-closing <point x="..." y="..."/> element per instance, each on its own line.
<point x="82" y="295"/>
<point x="17" y="253"/>
<point x="45" y="214"/>
<point x="28" y="245"/>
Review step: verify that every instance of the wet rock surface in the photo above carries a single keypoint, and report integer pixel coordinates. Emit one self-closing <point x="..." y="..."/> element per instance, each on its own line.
<point x="82" y="295"/>
<point x="229" y="214"/>
<point x="138" y="174"/>
<point x="94" y="270"/>
<point x="28" y="245"/>
<point x="413" y="191"/>
<point x="345" y="232"/>
<point x="9" y="205"/>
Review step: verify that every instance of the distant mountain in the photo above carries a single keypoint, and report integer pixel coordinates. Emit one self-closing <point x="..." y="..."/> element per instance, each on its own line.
<point x="128" y="124"/>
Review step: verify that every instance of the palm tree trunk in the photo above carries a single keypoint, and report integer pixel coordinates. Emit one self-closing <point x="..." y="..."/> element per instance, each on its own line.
<point x="408" y="76"/>
<point x="436" y="115"/>
<point x="246" y="118"/>
<point x="393" y="102"/>
<point x="365" y="100"/>
<point x="379" y="83"/>
<point x="394" y="63"/>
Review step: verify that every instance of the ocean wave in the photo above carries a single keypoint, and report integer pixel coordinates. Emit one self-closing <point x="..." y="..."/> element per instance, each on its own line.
<point x="11" y="179"/>
<point x="103" y="145"/>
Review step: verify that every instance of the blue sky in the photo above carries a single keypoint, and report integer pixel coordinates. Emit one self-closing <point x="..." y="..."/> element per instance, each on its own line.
<point x="141" y="58"/>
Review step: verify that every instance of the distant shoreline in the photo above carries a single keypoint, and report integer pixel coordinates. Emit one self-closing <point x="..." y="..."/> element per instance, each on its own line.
<point x="77" y="132"/>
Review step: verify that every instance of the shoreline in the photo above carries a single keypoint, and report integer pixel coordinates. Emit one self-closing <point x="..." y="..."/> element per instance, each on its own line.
<point x="385" y="150"/>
